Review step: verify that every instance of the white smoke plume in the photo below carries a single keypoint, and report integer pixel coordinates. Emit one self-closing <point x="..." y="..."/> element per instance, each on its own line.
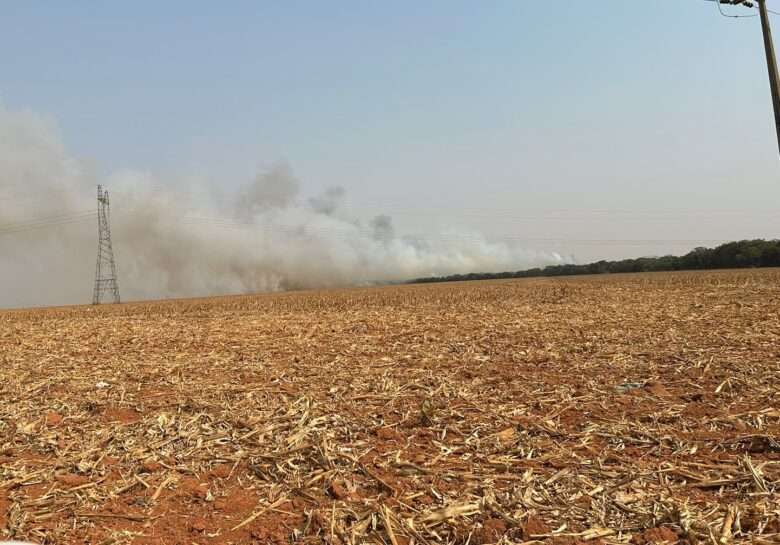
<point x="264" y="237"/>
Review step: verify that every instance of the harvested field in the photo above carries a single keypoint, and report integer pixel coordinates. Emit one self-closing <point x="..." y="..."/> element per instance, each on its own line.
<point x="637" y="408"/>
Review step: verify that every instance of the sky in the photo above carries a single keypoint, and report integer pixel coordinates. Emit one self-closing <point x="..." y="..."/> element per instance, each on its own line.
<point x="593" y="129"/>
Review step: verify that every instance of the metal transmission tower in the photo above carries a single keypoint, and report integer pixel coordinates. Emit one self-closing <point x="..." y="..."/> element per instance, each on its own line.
<point x="105" y="271"/>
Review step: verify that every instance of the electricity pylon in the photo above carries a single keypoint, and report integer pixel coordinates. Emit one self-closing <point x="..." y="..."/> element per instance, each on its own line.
<point x="105" y="271"/>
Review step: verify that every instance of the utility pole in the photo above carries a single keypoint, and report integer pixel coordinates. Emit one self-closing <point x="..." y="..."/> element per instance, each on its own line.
<point x="771" y="62"/>
<point x="769" y="46"/>
<point x="105" y="269"/>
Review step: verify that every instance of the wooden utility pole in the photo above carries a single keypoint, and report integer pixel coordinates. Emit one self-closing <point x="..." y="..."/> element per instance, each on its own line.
<point x="771" y="62"/>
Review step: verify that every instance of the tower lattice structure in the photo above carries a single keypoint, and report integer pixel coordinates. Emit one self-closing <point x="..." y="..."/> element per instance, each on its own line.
<point x="106" y="284"/>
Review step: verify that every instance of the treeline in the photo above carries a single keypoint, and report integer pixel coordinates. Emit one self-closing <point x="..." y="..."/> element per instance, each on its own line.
<point x="732" y="255"/>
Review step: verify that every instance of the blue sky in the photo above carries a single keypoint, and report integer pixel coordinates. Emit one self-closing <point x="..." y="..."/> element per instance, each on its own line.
<point x="572" y="121"/>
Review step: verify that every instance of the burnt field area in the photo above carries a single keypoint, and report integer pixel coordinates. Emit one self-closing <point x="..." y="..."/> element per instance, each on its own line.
<point x="611" y="409"/>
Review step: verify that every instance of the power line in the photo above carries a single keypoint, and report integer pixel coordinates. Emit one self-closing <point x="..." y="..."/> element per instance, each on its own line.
<point x="323" y="226"/>
<point x="49" y="218"/>
<point x="308" y="230"/>
<point x="731" y="16"/>
<point x="769" y="49"/>
<point x="42" y="223"/>
<point x="393" y="205"/>
<point x="44" y="226"/>
<point x="519" y="215"/>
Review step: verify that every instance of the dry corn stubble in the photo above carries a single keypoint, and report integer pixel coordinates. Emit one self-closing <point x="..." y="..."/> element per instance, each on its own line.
<point x="609" y="409"/>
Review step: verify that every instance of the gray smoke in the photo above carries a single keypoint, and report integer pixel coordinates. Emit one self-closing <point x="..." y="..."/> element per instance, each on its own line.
<point x="382" y="229"/>
<point x="328" y="202"/>
<point x="275" y="189"/>
<point x="266" y="236"/>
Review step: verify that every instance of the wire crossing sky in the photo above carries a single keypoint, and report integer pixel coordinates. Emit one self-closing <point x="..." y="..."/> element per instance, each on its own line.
<point x="491" y="118"/>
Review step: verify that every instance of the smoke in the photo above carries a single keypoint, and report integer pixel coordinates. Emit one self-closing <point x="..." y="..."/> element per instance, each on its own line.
<point x="382" y="229"/>
<point x="328" y="202"/>
<point x="266" y="236"/>
<point x="275" y="189"/>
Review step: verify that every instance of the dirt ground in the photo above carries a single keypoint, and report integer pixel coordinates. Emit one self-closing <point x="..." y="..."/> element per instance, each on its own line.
<point x="637" y="408"/>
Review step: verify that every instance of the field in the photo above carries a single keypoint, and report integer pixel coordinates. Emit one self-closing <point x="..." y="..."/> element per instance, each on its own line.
<point x="641" y="408"/>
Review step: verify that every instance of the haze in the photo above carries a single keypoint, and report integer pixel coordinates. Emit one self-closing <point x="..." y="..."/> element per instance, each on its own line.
<point x="525" y="132"/>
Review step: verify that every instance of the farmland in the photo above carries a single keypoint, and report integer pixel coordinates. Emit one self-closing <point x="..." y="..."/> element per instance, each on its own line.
<point x="641" y="408"/>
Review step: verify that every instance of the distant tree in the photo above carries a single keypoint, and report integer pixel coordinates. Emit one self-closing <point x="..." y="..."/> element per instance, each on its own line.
<point x="740" y="254"/>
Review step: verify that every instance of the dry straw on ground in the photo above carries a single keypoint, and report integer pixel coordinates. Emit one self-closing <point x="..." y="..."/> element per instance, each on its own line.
<point x="603" y="410"/>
